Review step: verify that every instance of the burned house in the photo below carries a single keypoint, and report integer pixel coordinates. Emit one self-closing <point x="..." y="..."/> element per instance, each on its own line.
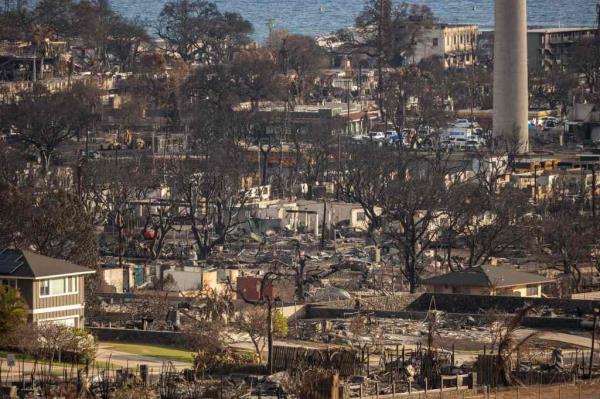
<point x="22" y="61"/>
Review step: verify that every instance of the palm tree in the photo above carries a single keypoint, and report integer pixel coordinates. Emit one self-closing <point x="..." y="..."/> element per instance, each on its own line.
<point x="216" y="307"/>
<point x="13" y="311"/>
<point x="507" y="343"/>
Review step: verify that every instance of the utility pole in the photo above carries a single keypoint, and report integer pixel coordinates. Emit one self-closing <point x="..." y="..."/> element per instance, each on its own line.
<point x="360" y="84"/>
<point x="283" y="54"/>
<point x="87" y="145"/>
<point x="348" y="83"/>
<point x="594" y="196"/>
<point x="473" y="64"/>
<point x="270" y="334"/>
<point x="34" y="78"/>
<point x="535" y="184"/>
<point x="339" y="144"/>
<point x="596" y="311"/>
<point x="323" y="224"/>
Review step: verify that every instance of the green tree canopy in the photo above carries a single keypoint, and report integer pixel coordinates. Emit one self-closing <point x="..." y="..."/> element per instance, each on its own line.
<point x="13" y="313"/>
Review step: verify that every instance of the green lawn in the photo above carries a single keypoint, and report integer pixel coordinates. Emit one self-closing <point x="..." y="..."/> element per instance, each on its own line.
<point x="57" y="367"/>
<point x="159" y="352"/>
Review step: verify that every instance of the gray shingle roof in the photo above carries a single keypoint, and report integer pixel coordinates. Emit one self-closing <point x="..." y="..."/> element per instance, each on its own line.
<point x="26" y="264"/>
<point x="488" y="276"/>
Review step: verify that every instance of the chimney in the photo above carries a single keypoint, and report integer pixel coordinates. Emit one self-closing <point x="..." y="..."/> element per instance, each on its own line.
<point x="511" y="91"/>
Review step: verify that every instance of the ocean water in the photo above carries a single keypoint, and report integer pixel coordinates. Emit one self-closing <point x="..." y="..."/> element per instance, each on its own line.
<point x="315" y="17"/>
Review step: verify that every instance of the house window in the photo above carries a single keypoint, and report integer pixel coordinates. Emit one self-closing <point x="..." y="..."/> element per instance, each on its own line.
<point x="59" y="286"/>
<point x="8" y="283"/>
<point x="72" y="285"/>
<point x="361" y="217"/>
<point x="533" y="290"/>
<point x="45" y="288"/>
<point x="435" y="42"/>
<point x="67" y="321"/>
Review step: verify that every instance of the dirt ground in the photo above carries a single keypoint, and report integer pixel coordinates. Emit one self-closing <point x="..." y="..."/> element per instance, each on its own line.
<point x="579" y="390"/>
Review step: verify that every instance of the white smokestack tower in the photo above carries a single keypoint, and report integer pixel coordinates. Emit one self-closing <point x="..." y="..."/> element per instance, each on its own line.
<point x="511" y="91"/>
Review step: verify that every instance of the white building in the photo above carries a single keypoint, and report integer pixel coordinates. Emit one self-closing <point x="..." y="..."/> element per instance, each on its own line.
<point x="456" y="44"/>
<point x="308" y="215"/>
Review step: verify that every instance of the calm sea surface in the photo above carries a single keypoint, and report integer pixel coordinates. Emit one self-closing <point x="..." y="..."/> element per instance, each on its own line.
<point x="314" y="17"/>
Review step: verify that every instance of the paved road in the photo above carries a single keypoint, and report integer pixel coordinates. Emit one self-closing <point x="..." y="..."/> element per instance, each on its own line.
<point x="571" y="339"/>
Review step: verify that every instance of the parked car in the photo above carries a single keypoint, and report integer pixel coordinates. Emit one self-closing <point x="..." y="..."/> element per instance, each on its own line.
<point x="460" y="143"/>
<point x="550" y="123"/>
<point x="377" y="136"/>
<point x="393" y="138"/>
<point x="447" y="144"/>
<point x="360" y="138"/>
<point x="472" y="145"/>
<point x="466" y="124"/>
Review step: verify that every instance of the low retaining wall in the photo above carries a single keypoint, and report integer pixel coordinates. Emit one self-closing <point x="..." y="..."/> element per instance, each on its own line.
<point x="553" y="323"/>
<point x="293" y="312"/>
<point x="166" y="338"/>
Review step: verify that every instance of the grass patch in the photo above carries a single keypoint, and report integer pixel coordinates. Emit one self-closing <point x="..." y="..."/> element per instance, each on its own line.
<point x="159" y="352"/>
<point x="57" y="367"/>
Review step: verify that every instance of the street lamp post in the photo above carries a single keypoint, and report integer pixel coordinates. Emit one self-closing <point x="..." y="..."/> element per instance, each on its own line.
<point x="270" y="335"/>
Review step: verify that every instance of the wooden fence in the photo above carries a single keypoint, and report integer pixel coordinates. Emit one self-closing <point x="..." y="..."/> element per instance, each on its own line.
<point x="345" y="362"/>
